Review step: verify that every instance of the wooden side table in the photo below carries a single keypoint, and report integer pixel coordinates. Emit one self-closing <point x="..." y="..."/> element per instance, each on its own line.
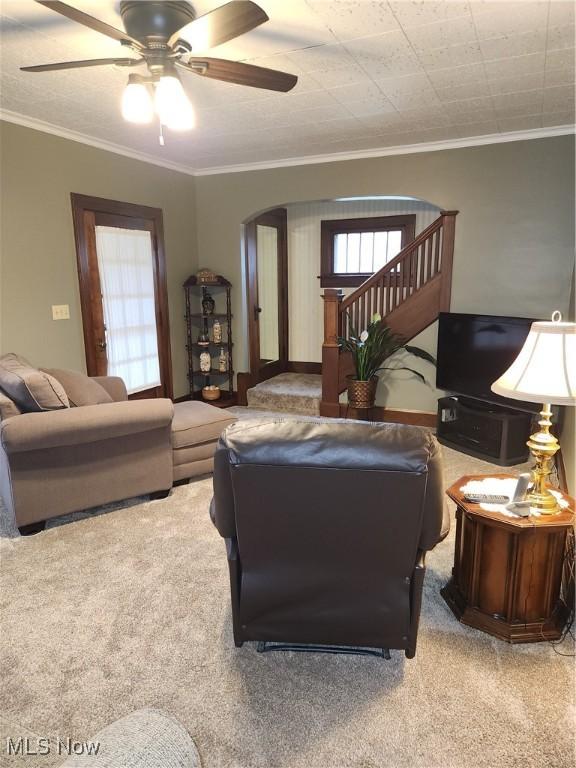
<point x="508" y="571"/>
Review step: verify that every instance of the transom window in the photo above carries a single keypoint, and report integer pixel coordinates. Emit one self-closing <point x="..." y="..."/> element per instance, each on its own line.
<point x="353" y="249"/>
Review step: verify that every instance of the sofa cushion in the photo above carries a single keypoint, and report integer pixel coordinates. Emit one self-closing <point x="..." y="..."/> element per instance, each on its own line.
<point x="196" y="422"/>
<point x="8" y="407"/>
<point x="31" y="389"/>
<point x="192" y="469"/>
<point x="192" y="453"/>
<point x="80" y="389"/>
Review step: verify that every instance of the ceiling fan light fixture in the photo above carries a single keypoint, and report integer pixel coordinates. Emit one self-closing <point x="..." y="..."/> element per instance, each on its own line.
<point x="173" y="107"/>
<point x="164" y="34"/>
<point x="137" y="104"/>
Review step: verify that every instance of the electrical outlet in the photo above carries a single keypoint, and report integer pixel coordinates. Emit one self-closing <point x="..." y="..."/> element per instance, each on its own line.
<point x="60" y="312"/>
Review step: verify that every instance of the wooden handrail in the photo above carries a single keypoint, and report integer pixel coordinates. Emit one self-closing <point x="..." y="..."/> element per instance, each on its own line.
<point x="392" y="264"/>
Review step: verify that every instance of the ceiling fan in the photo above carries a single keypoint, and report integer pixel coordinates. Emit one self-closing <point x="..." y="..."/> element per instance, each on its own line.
<point x="165" y="34"/>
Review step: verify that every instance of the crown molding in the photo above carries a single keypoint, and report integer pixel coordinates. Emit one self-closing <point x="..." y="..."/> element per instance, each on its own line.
<point x="401" y="149"/>
<point x="82" y="138"/>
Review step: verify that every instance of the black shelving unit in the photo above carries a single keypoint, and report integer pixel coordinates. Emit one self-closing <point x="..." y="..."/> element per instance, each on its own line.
<point x="220" y="289"/>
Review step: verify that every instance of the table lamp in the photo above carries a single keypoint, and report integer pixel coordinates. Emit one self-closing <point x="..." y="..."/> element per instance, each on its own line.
<point x="543" y="372"/>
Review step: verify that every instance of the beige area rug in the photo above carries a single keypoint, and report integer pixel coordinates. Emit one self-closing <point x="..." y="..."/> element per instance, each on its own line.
<point x="130" y="609"/>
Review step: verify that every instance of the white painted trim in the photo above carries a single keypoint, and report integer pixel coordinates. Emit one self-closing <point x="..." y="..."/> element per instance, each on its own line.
<point x="403" y="149"/>
<point x="82" y="138"/>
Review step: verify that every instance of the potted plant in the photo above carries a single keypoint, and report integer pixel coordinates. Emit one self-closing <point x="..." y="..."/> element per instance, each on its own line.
<point x="369" y="350"/>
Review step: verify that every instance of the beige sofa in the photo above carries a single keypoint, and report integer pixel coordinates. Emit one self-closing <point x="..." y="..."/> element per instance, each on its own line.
<point x="67" y="455"/>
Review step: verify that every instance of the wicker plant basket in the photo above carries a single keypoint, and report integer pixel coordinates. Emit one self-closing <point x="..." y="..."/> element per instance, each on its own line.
<point x="211" y="394"/>
<point x="362" y="394"/>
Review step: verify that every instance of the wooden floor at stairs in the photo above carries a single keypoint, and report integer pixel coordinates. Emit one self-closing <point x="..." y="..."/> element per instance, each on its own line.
<point x="288" y="392"/>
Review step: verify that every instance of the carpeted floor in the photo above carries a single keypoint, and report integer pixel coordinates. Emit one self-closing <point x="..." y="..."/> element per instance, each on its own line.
<point x="130" y="608"/>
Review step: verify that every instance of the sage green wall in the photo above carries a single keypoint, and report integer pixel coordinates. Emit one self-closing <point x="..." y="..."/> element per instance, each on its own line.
<point x="38" y="268"/>
<point x="514" y="234"/>
<point x="568" y="437"/>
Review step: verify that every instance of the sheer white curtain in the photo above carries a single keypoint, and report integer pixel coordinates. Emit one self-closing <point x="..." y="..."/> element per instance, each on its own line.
<point x="125" y="265"/>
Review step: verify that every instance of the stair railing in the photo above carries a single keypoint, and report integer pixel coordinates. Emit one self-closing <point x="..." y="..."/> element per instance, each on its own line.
<point x="423" y="268"/>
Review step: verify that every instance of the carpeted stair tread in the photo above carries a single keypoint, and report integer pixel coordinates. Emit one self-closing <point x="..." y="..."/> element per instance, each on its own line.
<point x="288" y="392"/>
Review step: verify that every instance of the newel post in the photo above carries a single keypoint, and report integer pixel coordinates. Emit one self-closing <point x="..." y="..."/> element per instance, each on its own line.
<point x="330" y="353"/>
<point x="448" y="232"/>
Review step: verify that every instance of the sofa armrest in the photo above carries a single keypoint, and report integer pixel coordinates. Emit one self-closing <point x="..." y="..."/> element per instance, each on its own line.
<point x="88" y="424"/>
<point x="114" y="385"/>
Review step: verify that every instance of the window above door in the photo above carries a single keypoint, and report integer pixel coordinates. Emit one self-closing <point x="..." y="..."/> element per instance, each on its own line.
<point x="353" y="249"/>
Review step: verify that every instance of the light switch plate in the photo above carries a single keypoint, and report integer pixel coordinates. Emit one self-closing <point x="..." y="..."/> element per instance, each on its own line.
<point x="60" y="312"/>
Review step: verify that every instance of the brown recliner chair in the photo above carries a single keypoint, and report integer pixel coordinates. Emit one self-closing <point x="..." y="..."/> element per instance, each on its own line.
<point x="326" y="528"/>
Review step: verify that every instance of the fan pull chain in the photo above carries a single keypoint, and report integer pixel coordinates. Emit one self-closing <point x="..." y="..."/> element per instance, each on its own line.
<point x="161" y="135"/>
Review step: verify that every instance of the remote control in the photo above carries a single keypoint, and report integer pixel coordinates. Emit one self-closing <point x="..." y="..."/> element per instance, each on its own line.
<point x="486" y="498"/>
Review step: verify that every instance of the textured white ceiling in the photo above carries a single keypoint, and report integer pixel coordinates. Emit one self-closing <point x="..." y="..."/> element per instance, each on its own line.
<point x="371" y="74"/>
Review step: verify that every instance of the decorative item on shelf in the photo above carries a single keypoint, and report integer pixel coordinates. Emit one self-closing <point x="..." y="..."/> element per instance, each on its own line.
<point x="205" y="361"/>
<point x="543" y="372"/>
<point x="369" y="350"/>
<point x="206" y="277"/>
<point x="208" y="302"/>
<point x="211" y="392"/>
<point x="217" y="332"/>
<point x="203" y="338"/>
<point x="205" y="328"/>
<point x="222" y="361"/>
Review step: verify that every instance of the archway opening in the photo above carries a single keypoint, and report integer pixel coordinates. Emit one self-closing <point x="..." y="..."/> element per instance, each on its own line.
<point x="366" y="231"/>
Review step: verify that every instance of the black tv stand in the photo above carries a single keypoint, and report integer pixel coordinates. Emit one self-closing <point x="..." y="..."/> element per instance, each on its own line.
<point x="490" y="432"/>
<point x="482" y="405"/>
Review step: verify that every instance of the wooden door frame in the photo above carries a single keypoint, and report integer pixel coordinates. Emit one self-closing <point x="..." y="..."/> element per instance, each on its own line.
<point x="276" y="218"/>
<point x="82" y="204"/>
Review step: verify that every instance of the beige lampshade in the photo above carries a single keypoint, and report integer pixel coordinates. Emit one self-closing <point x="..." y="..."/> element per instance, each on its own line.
<point x="545" y="369"/>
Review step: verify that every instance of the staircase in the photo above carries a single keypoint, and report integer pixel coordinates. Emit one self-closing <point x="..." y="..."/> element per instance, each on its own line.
<point x="298" y="393"/>
<point x="408" y="293"/>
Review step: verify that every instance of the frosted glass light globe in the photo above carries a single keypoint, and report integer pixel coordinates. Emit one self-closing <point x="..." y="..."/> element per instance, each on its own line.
<point x="137" y="104"/>
<point x="172" y="105"/>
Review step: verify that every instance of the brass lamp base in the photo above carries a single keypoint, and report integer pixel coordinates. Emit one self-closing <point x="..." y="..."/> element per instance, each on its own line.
<point x="545" y="503"/>
<point x="543" y="446"/>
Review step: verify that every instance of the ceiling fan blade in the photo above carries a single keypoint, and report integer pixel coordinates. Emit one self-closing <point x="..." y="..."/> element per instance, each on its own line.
<point x="242" y="74"/>
<point x="222" y="24"/>
<point x="89" y="21"/>
<point x="84" y="63"/>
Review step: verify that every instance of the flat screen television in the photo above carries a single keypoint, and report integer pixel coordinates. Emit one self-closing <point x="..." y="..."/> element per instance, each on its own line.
<point x="474" y="350"/>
